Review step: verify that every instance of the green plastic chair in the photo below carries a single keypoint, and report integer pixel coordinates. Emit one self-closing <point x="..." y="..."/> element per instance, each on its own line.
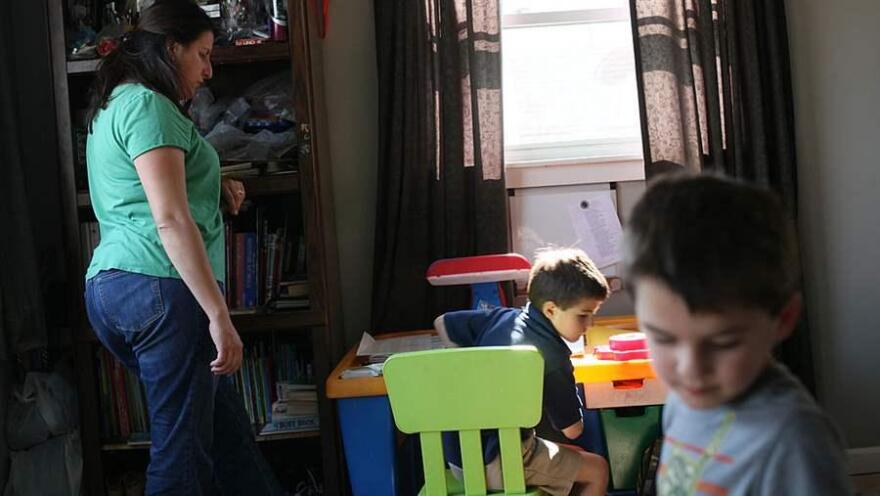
<point x="466" y="390"/>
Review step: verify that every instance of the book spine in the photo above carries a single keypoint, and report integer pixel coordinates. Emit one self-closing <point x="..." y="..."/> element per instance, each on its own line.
<point x="239" y="269"/>
<point x="106" y="405"/>
<point x="271" y="249"/>
<point x="247" y="389"/>
<point x="268" y="387"/>
<point x="111" y="388"/>
<point x="227" y="237"/>
<point x="294" y="424"/>
<point x="121" y="400"/>
<point x="250" y="276"/>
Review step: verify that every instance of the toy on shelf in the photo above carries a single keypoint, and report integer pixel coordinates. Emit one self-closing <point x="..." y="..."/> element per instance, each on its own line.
<point x="484" y="273"/>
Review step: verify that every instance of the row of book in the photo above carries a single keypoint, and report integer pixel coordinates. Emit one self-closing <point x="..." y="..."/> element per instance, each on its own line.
<point x="276" y="384"/>
<point x="265" y="267"/>
<point x="265" y="262"/>
<point x="122" y="400"/>
<point x="273" y="373"/>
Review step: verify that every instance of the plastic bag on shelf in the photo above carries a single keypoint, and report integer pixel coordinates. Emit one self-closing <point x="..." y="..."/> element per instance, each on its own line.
<point x="269" y="145"/>
<point x="258" y="125"/>
<point x="233" y="143"/>
<point x="204" y="110"/>
<point x="226" y="139"/>
<point x="273" y="95"/>
<point x="236" y="111"/>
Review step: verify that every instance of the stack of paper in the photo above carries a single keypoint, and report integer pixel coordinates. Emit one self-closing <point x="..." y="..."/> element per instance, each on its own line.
<point x="378" y="350"/>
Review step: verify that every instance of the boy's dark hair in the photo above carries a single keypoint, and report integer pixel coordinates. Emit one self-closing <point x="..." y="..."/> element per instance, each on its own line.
<point x="142" y="55"/>
<point x="715" y="242"/>
<point x="565" y="276"/>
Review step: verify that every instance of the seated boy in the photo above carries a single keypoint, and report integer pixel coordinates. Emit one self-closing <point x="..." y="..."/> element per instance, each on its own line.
<point x="714" y="270"/>
<point x="565" y="288"/>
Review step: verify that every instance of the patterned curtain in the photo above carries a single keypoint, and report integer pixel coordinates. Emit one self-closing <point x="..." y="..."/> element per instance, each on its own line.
<point x="441" y="175"/>
<point x="716" y="83"/>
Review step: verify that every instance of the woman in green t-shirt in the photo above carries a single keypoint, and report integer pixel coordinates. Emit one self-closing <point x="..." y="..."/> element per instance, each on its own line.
<point x="154" y="288"/>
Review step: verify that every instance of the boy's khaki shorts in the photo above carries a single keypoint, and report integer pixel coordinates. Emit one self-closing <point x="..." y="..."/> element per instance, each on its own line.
<point x="547" y="466"/>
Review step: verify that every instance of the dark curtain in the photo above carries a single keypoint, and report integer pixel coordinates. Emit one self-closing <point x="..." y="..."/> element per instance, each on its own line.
<point x="32" y="270"/>
<point x="716" y="89"/>
<point x="441" y="177"/>
<point x="22" y="316"/>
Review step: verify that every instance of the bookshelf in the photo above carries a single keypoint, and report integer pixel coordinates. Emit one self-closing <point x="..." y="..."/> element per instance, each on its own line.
<point x="263" y="52"/>
<point x="300" y="191"/>
<point x="267" y="438"/>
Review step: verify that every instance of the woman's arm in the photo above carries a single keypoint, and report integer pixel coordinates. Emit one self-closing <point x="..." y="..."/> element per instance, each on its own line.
<point x="162" y="174"/>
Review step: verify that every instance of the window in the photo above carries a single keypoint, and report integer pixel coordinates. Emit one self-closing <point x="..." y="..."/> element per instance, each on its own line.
<point x="571" y="111"/>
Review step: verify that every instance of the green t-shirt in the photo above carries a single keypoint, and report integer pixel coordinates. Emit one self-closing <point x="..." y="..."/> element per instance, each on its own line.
<point x="136" y="121"/>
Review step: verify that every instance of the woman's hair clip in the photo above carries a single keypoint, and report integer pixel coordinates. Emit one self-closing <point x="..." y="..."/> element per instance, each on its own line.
<point x="107" y="46"/>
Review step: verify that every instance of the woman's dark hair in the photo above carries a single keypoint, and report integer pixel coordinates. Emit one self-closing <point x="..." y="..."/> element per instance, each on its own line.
<point x="142" y="55"/>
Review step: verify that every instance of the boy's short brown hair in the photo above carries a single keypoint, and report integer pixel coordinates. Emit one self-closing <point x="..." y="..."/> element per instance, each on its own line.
<point x="565" y="276"/>
<point x="716" y="242"/>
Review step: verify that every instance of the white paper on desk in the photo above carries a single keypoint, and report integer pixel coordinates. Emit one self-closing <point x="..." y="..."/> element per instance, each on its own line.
<point x="381" y="349"/>
<point x="598" y="228"/>
<point x="371" y="370"/>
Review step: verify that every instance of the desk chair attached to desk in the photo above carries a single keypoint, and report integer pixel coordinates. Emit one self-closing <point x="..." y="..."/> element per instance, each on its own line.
<point x="369" y="435"/>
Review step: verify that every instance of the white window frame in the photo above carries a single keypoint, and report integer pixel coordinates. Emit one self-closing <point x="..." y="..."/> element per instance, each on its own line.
<point x="524" y="168"/>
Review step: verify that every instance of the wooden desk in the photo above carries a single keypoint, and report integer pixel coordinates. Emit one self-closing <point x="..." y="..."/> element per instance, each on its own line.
<point x="362" y="386"/>
<point x="368" y="431"/>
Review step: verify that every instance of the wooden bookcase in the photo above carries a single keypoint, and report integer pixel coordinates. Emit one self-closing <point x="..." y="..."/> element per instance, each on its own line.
<point x="310" y="185"/>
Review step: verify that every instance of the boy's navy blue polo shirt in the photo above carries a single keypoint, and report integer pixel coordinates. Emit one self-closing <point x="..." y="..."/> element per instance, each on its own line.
<point x="511" y="327"/>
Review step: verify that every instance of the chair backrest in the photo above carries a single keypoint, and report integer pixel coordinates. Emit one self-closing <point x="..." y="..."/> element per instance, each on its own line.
<point x="466" y="390"/>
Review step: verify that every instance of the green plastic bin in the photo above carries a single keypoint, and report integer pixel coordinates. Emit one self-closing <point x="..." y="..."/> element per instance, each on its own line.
<point x="628" y="433"/>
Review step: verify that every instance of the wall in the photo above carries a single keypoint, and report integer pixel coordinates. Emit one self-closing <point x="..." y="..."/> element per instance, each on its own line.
<point x="836" y="75"/>
<point x="351" y="99"/>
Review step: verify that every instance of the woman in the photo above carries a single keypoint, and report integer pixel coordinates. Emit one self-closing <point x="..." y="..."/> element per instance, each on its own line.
<point x="154" y="285"/>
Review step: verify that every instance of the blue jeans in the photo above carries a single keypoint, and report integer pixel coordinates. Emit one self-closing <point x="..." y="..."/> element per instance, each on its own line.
<point x="202" y="440"/>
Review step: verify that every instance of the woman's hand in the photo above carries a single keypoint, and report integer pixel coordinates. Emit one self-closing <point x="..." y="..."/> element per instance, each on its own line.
<point x="233" y="193"/>
<point x="229" y="347"/>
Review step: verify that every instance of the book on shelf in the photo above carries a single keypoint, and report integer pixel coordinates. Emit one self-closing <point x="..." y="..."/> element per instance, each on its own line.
<point x="282" y="304"/>
<point x="292" y="391"/>
<point x="276" y="384"/>
<point x="293" y="289"/>
<point x="293" y="424"/>
<point x="265" y="265"/>
<point x="122" y="402"/>
<point x="269" y="378"/>
<point x="139" y="439"/>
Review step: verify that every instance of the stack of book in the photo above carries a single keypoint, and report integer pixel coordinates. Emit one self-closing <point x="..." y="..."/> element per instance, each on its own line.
<point x="290" y="295"/>
<point x="296" y="409"/>
<point x="265" y="263"/>
<point x="277" y="388"/>
<point x="240" y="170"/>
